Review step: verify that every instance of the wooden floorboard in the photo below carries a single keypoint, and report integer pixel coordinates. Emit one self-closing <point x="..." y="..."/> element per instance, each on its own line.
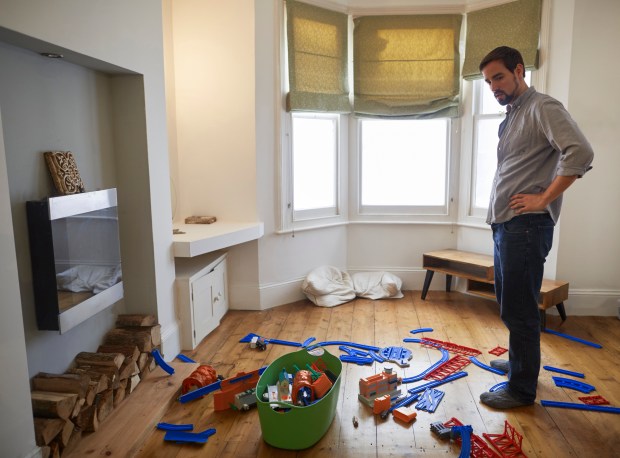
<point x="455" y="317"/>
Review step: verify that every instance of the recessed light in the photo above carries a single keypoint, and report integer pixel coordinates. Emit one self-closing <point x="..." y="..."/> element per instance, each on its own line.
<point x="52" y="55"/>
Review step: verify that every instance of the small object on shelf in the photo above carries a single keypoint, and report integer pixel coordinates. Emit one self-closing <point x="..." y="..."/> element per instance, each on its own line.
<point x="177" y="232"/>
<point x="200" y="220"/>
<point x="64" y="172"/>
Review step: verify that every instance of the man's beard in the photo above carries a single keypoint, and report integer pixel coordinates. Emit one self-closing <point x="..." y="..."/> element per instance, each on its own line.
<point x="506" y="99"/>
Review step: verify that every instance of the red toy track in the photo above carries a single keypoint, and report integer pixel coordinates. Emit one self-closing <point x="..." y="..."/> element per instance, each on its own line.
<point x="594" y="400"/>
<point x="509" y="443"/>
<point x="498" y="351"/>
<point x="449" y="367"/>
<point x="454" y="348"/>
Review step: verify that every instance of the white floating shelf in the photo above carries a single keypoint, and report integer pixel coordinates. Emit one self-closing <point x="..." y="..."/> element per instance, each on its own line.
<point x="204" y="238"/>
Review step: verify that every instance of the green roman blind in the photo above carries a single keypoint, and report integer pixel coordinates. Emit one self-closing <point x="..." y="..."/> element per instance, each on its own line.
<point x="317" y="59"/>
<point x="406" y="65"/>
<point x="515" y="24"/>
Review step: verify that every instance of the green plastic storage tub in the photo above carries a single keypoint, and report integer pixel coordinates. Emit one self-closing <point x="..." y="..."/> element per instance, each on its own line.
<point x="299" y="427"/>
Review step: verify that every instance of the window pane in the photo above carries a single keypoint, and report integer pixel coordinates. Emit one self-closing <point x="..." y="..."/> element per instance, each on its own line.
<point x="314" y="163"/>
<point x="485" y="160"/>
<point x="404" y="162"/>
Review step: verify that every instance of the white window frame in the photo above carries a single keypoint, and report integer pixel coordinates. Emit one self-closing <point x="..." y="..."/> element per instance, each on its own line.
<point x="292" y="220"/>
<point x="387" y="214"/>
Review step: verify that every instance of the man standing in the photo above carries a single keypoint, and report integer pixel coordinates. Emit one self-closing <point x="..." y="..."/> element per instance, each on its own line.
<point x="540" y="153"/>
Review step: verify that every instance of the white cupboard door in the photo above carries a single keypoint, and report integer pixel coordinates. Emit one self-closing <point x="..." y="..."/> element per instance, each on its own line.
<point x="219" y="294"/>
<point x="203" y="310"/>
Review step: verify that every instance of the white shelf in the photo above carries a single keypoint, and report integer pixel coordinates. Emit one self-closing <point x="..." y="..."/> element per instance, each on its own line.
<point x="204" y="238"/>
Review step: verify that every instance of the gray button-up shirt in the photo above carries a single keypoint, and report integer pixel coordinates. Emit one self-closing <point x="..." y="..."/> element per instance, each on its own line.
<point x="540" y="140"/>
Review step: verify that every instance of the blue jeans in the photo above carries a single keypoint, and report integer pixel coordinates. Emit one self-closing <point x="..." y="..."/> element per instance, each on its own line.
<point x="521" y="246"/>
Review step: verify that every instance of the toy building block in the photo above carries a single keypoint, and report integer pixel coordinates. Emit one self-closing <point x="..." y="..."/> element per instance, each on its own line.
<point x="404" y="414"/>
<point x="508" y="443"/>
<point x="377" y="385"/>
<point x="381" y="404"/>
<point x="448" y="368"/>
<point x="497" y="351"/>
<point x="229" y="387"/>
<point x="594" y="400"/>
<point x="321" y="386"/>
<point x="245" y="400"/>
<point x="454" y="348"/>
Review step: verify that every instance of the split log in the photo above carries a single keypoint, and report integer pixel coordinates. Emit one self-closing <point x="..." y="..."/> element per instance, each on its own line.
<point x="135" y="320"/>
<point x="98" y="380"/>
<point x="78" y="406"/>
<point x="45" y="451"/>
<point x="154" y="330"/>
<point x="132" y="383"/>
<point x="61" y="383"/>
<point x="111" y="372"/>
<point x="85" y="358"/>
<point x="130" y="351"/>
<point x="142" y="360"/>
<point x="128" y="369"/>
<point x="87" y="419"/>
<point x="120" y="392"/>
<point x="105" y="404"/>
<point x="54" y="450"/>
<point x="122" y="336"/>
<point x="46" y="429"/>
<point x="52" y="405"/>
<point x="66" y="433"/>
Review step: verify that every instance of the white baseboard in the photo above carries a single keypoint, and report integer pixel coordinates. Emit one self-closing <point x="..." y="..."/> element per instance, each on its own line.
<point x="581" y="302"/>
<point x="170" y="340"/>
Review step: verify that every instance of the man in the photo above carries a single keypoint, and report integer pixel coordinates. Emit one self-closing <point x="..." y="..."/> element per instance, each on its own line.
<point x="540" y="153"/>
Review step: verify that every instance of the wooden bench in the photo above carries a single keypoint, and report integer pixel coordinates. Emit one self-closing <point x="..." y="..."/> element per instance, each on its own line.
<point x="479" y="272"/>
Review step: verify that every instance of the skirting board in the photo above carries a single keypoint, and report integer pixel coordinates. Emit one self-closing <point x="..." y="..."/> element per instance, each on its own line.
<point x="581" y="302"/>
<point x="170" y="340"/>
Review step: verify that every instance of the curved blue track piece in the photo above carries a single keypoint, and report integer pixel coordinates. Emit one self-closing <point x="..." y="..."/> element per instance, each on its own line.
<point x="570" y="405"/>
<point x="576" y="339"/>
<point x="160" y="361"/>
<point x="342" y="342"/>
<point x="573" y="384"/>
<point x="498" y="386"/>
<point x="173" y="427"/>
<point x="465" y="432"/>
<point x="356" y="359"/>
<point x="564" y="371"/>
<point x="308" y="341"/>
<point x="445" y="355"/>
<point x="417" y="331"/>
<point x="478" y="363"/>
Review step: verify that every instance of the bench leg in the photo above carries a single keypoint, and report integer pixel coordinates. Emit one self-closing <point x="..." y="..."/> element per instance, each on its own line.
<point x="561" y="311"/>
<point x="427" y="282"/>
<point x="448" y="283"/>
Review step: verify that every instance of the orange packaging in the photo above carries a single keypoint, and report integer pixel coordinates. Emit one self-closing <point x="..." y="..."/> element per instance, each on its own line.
<point x="321" y="386"/>
<point x="381" y="403"/>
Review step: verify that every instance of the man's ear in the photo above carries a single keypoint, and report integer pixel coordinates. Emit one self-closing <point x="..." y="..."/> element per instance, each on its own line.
<point x="520" y="70"/>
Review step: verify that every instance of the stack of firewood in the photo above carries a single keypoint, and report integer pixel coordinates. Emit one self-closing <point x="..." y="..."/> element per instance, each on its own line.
<point x="66" y="405"/>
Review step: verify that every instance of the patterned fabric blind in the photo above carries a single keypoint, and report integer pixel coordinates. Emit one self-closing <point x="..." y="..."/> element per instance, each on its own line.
<point x="406" y="66"/>
<point x="515" y="24"/>
<point x="317" y="59"/>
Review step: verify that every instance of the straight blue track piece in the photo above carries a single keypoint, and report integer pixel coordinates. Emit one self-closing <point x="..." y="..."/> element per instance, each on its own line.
<point x="249" y="337"/>
<point x="417" y="331"/>
<point x="161" y="363"/>
<point x="356" y="359"/>
<point x="576" y="339"/>
<point x="564" y="371"/>
<point x="185" y="437"/>
<point x="573" y="384"/>
<point x="173" y="427"/>
<point x="200" y="392"/>
<point x="570" y="405"/>
<point x="185" y="359"/>
<point x="429" y="400"/>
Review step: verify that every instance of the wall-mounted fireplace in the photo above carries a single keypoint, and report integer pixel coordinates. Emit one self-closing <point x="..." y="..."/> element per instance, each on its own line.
<point x="75" y="257"/>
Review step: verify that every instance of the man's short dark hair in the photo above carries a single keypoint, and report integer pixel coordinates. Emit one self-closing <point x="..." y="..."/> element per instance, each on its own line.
<point x="510" y="57"/>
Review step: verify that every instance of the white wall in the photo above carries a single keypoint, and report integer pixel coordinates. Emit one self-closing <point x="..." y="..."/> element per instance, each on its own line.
<point x="127" y="35"/>
<point x="589" y="253"/>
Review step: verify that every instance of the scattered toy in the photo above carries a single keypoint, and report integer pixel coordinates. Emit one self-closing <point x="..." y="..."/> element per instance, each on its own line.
<point x="564" y="371"/>
<point x="575" y="339"/>
<point x="478" y="363"/>
<point x="405" y="414"/>
<point x="508" y="443"/>
<point x="454" y="348"/>
<point x="161" y="363"/>
<point x="570" y="405"/>
<point x="173" y="427"/>
<point x="573" y="384"/>
<point x="185" y="359"/>
<point x="203" y="375"/>
<point x="430" y="399"/>
<point x="417" y="331"/>
<point x="185" y="437"/>
<point x="355" y="421"/>
<point x="497" y="351"/>
<point x="594" y="400"/>
<point x="447" y="368"/>
<point x="398" y="355"/>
